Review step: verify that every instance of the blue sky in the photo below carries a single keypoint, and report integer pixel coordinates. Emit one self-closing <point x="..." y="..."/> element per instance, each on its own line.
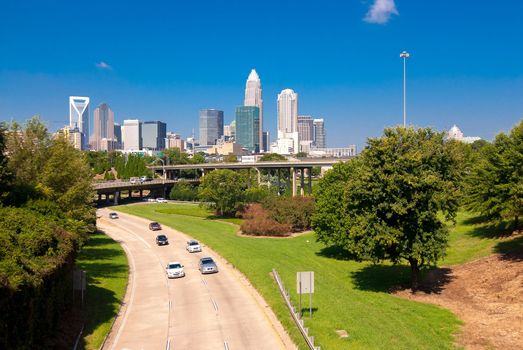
<point x="167" y="59"/>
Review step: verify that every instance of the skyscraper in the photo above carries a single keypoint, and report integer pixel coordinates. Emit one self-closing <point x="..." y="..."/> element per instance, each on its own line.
<point x="132" y="135"/>
<point x="288" y="121"/>
<point x="305" y="132"/>
<point x="248" y="127"/>
<point x="253" y="97"/>
<point x="319" y="133"/>
<point x="153" y="135"/>
<point x="211" y="126"/>
<point x="118" y="135"/>
<point x="79" y="117"/>
<point x="103" y="126"/>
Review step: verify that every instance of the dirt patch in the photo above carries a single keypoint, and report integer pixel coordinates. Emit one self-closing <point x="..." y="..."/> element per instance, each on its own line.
<point x="290" y="235"/>
<point x="486" y="294"/>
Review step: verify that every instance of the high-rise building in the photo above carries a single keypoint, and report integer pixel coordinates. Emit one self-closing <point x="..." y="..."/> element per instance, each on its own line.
<point x="153" y="135"/>
<point x="73" y="135"/>
<point x="288" y="121"/>
<point x="305" y="132"/>
<point x="230" y="130"/>
<point x="266" y="141"/>
<point x="319" y="133"/>
<point x="118" y="135"/>
<point x="103" y="121"/>
<point x="248" y="127"/>
<point x="211" y="126"/>
<point x="253" y="97"/>
<point x="79" y="117"/>
<point x="132" y="135"/>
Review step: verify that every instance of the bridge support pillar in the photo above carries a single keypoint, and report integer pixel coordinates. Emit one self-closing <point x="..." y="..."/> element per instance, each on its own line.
<point x="293" y="174"/>
<point x="116" y="197"/>
<point x="279" y="179"/>
<point x="141" y="194"/>
<point x="309" y="173"/>
<point x="107" y="198"/>
<point x="259" y="175"/>
<point x="302" y="181"/>
<point x="99" y="197"/>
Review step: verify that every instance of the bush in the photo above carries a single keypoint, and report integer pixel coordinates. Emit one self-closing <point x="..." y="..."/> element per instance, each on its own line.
<point x="183" y="191"/>
<point x="259" y="223"/>
<point x="256" y="194"/>
<point x="293" y="211"/>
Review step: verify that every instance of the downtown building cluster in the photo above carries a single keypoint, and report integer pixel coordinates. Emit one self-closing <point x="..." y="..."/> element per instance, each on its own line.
<point x="243" y="136"/>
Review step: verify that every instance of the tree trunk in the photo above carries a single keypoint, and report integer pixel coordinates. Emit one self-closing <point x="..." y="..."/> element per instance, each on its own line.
<point x="415" y="274"/>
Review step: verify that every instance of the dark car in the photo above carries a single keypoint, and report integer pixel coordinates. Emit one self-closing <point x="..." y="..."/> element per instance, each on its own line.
<point x="162" y="240"/>
<point x="154" y="226"/>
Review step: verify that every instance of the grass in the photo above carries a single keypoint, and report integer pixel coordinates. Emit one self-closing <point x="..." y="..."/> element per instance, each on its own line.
<point x="106" y="265"/>
<point x="349" y="295"/>
<point x="472" y="238"/>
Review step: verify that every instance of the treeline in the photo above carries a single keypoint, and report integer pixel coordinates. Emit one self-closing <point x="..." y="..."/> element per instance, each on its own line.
<point x="45" y="216"/>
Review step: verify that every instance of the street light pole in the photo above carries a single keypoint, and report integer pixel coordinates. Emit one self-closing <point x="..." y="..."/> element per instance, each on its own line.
<point x="404" y="55"/>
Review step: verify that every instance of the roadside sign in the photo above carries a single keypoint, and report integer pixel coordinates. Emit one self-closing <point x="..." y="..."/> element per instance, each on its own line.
<point x="305" y="282"/>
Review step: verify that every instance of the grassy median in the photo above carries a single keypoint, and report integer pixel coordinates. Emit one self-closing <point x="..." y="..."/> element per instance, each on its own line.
<point x="105" y="262"/>
<point x="349" y="295"/>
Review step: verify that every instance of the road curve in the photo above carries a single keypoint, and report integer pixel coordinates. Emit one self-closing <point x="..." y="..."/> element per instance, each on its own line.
<point x="218" y="311"/>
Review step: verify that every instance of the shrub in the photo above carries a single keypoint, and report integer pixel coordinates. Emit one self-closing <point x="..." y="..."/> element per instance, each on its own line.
<point x="256" y="194"/>
<point x="183" y="191"/>
<point x="259" y="223"/>
<point x="293" y="211"/>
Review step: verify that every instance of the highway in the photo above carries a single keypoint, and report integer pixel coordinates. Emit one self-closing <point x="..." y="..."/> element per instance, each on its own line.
<point x="219" y="311"/>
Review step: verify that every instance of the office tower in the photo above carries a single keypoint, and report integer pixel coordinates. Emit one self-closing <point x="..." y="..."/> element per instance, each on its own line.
<point x="288" y="122"/>
<point x="153" y="135"/>
<point x="79" y="117"/>
<point x="103" y="121"/>
<point x="248" y="127"/>
<point x="132" y="135"/>
<point x="305" y="128"/>
<point x="319" y="133"/>
<point x="211" y="126"/>
<point x="230" y="130"/>
<point x="266" y="141"/>
<point x="118" y="135"/>
<point x="72" y="135"/>
<point x="253" y="97"/>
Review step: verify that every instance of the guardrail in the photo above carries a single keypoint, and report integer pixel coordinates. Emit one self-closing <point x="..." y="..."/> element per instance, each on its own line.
<point x="309" y="339"/>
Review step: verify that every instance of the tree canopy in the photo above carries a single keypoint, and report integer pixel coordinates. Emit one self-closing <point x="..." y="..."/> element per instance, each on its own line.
<point x="494" y="187"/>
<point x="223" y="191"/>
<point x="386" y="204"/>
<point x="272" y="157"/>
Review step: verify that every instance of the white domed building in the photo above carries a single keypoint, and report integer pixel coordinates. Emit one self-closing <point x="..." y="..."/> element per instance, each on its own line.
<point x="456" y="134"/>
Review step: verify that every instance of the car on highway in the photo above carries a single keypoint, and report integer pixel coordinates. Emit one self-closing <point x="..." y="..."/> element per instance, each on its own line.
<point x="134" y="180"/>
<point x="145" y="179"/>
<point x="193" y="246"/>
<point x="113" y="215"/>
<point x="174" y="270"/>
<point x="162" y="240"/>
<point x="161" y="200"/>
<point x="207" y="265"/>
<point x="154" y="226"/>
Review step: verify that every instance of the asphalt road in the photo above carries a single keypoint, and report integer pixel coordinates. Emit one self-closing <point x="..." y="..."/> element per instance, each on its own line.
<point x="217" y="311"/>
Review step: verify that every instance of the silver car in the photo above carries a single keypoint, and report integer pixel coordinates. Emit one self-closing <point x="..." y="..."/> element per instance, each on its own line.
<point x="174" y="270"/>
<point x="193" y="246"/>
<point x="207" y="265"/>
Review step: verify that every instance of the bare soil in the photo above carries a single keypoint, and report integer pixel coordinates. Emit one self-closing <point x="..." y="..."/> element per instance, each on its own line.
<point x="486" y="294"/>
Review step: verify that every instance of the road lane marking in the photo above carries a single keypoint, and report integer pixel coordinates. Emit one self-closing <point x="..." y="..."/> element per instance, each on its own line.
<point x="129" y="231"/>
<point x="214" y="305"/>
<point x="225" y="345"/>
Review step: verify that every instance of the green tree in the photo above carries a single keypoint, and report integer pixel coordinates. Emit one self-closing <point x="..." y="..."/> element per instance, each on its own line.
<point x="5" y="173"/>
<point x="222" y="191"/>
<point x="301" y="155"/>
<point x="175" y="156"/>
<point x="272" y="157"/>
<point x="183" y="191"/>
<point x="230" y="158"/>
<point x="198" y="158"/>
<point x="495" y="184"/>
<point x="386" y="204"/>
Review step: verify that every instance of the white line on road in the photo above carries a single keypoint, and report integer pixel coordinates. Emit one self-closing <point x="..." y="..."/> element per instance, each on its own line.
<point x="225" y="345"/>
<point x="168" y="346"/>
<point x="134" y="234"/>
<point x="214" y="305"/>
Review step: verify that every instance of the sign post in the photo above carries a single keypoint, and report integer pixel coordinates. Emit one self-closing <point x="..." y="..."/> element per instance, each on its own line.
<point x="305" y="285"/>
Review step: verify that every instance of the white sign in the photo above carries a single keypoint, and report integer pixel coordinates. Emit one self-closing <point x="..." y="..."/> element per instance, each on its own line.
<point x="305" y="282"/>
<point x="248" y="159"/>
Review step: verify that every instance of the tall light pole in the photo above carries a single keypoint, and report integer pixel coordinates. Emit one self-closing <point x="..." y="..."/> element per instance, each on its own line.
<point x="404" y="55"/>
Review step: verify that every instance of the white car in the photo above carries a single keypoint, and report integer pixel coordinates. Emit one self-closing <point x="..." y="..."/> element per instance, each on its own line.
<point x="174" y="270"/>
<point x="113" y="215"/>
<point x="193" y="246"/>
<point x="161" y="200"/>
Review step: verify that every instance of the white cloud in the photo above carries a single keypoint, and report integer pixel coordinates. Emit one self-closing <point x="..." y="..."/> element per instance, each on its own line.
<point x="381" y="11"/>
<point x="103" y="65"/>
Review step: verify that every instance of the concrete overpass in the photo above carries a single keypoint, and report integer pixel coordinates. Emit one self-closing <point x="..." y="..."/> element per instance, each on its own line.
<point x="291" y="166"/>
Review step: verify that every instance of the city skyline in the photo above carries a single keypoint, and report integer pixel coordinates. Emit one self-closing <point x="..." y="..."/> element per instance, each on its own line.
<point x="348" y="69"/>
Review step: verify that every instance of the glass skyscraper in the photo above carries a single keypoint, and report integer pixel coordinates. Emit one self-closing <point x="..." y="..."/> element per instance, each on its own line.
<point x="153" y="135"/>
<point x="211" y="126"/>
<point x="319" y="133"/>
<point x="79" y="117"/>
<point x="248" y="127"/>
